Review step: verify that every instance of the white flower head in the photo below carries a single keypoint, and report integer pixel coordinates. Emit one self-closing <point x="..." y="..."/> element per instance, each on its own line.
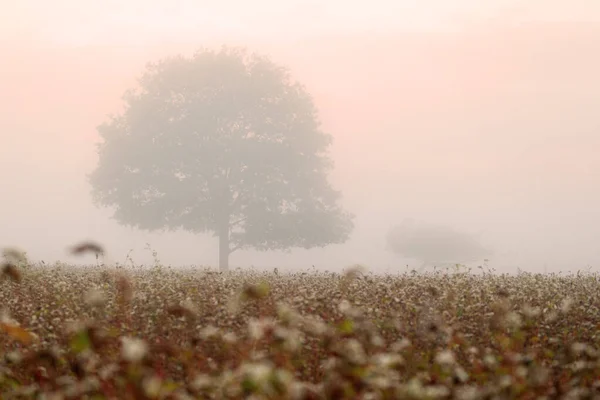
<point x="133" y="349"/>
<point x="5" y="318"/>
<point x="354" y="351"/>
<point x="95" y="297"/>
<point x="256" y="328"/>
<point x="259" y="372"/>
<point x="344" y="306"/>
<point x="445" y="357"/>
<point x="201" y="382"/>
<point x="566" y="305"/>
<point x="189" y="305"/>
<point x="513" y="320"/>
<point x="209" y="331"/>
<point x="388" y="360"/>
<point x="531" y="312"/>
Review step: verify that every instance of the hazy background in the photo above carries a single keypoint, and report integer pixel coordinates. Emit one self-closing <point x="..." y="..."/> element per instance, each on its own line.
<point x="480" y="115"/>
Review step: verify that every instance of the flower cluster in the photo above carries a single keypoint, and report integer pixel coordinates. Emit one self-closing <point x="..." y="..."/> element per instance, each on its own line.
<point x="160" y="333"/>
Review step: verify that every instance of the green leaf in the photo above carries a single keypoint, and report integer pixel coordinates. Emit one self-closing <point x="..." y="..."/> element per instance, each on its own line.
<point x="80" y="342"/>
<point x="249" y="386"/>
<point x="346" y="327"/>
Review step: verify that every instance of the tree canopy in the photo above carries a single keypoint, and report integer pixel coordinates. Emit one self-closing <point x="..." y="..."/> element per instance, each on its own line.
<point x="434" y="244"/>
<point x="222" y="142"/>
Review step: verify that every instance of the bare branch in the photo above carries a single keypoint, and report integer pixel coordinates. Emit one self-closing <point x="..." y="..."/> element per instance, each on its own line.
<point x="235" y="248"/>
<point x="239" y="221"/>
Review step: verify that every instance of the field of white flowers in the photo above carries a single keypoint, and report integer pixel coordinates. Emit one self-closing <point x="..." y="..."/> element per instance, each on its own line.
<point x="157" y="333"/>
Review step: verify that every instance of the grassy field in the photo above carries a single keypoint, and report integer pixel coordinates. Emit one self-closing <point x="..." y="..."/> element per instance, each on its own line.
<point x="129" y="333"/>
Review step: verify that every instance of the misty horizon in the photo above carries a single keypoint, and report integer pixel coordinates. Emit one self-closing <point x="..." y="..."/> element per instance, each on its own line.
<point x="490" y="130"/>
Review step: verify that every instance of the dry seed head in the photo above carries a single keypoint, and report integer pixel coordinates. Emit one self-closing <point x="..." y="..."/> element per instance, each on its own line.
<point x="124" y="286"/>
<point x="152" y="386"/>
<point x="230" y="337"/>
<point x="108" y="371"/>
<point x="54" y="396"/>
<point x="297" y="390"/>
<point x="578" y="348"/>
<point x="380" y="382"/>
<point x="74" y="326"/>
<point x="315" y="326"/>
<point x="287" y="314"/>
<point x="11" y="271"/>
<point x="259" y="373"/>
<point x="14" y="255"/>
<point x="349" y="310"/>
<point x="66" y="380"/>
<point x="50" y="355"/>
<point x="377" y="341"/>
<point x="257" y="328"/>
<point x="414" y="389"/>
<point x="505" y="381"/>
<point x="189" y="305"/>
<point x="181" y="395"/>
<point x="292" y="339"/>
<point x="490" y="361"/>
<point x="5" y="318"/>
<point x="461" y="374"/>
<point x="551" y="316"/>
<point x="344" y="306"/>
<point x="97" y="336"/>
<point x="354" y="271"/>
<point x="501" y="307"/>
<point x="257" y="291"/>
<point x="283" y="378"/>
<point x="87" y="247"/>
<point x="401" y="345"/>
<point x="521" y="371"/>
<point x="539" y="375"/>
<point x="13" y="357"/>
<point x="234" y="304"/>
<point x="180" y="311"/>
<point x="433" y="291"/>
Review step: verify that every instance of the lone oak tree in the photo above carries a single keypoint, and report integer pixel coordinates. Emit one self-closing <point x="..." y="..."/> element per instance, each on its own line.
<point x="222" y="142"/>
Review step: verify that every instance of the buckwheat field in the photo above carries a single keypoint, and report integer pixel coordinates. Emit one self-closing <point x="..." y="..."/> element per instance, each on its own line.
<point x="107" y="332"/>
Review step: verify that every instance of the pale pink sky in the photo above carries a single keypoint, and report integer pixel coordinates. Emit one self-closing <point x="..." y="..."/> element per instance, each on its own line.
<point x="492" y="129"/>
<point x="84" y="22"/>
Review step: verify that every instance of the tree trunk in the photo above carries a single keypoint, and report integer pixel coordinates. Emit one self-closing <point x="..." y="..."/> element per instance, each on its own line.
<point x="224" y="249"/>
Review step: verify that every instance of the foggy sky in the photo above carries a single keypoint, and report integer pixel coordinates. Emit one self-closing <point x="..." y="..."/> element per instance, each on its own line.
<point x="484" y="119"/>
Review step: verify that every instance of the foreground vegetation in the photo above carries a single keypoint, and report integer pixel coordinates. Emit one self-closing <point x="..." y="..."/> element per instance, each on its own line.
<point x="120" y="332"/>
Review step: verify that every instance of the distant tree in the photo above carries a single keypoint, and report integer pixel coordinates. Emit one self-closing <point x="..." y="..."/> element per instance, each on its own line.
<point x="432" y="244"/>
<point x="221" y="142"/>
